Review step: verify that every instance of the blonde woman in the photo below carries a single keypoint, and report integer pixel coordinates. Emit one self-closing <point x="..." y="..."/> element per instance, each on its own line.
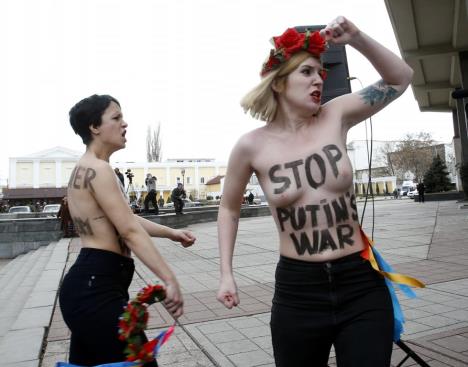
<point x="325" y="292"/>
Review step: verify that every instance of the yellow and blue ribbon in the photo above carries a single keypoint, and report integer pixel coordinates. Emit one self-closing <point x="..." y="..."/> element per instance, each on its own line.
<point x="404" y="283"/>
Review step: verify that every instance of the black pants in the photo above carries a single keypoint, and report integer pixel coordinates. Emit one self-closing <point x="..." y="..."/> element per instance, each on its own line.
<point x="178" y="206"/>
<point x="421" y="197"/>
<point x="151" y="197"/>
<point x="343" y="302"/>
<point x="92" y="298"/>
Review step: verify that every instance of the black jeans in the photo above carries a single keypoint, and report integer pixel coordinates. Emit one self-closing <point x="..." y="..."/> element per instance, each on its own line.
<point x="92" y="298"/>
<point x="343" y="302"/>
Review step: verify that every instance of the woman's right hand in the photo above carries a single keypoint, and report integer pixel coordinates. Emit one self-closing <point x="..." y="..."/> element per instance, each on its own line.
<point x="174" y="302"/>
<point x="339" y="31"/>
<point x="227" y="293"/>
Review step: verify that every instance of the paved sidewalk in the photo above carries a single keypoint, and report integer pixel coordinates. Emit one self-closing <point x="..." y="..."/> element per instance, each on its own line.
<point x="428" y="241"/>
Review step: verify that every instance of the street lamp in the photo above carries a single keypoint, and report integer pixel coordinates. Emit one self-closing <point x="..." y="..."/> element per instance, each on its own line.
<point x="182" y="172"/>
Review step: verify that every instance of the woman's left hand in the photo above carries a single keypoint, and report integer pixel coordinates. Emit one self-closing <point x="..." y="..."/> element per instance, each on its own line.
<point x="186" y="238"/>
<point x="339" y="31"/>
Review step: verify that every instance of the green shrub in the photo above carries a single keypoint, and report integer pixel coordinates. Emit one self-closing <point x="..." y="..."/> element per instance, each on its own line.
<point x="436" y="179"/>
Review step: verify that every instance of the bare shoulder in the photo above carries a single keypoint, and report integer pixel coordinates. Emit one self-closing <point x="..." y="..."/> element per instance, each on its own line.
<point x="249" y="142"/>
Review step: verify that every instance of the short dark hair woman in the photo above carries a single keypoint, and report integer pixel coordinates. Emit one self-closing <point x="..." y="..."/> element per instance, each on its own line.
<point x="95" y="290"/>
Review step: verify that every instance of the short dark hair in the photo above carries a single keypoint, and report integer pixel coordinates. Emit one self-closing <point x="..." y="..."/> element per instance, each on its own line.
<point x="88" y="112"/>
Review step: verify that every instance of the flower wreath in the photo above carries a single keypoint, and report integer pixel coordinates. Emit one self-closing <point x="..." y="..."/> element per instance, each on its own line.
<point x="291" y="42"/>
<point x="134" y="321"/>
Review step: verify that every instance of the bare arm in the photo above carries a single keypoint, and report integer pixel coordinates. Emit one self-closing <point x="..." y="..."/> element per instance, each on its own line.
<point x="238" y="173"/>
<point x="186" y="238"/>
<point x="111" y="200"/>
<point x="396" y="74"/>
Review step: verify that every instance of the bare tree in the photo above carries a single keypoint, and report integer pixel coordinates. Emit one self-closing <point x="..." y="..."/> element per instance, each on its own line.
<point x="148" y="144"/>
<point x="412" y="154"/>
<point x="153" y="144"/>
<point x="384" y="159"/>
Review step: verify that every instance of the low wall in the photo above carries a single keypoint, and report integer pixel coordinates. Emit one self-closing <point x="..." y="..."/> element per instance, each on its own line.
<point x="18" y="236"/>
<point x="442" y="196"/>
<point x="26" y="215"/>
<point x="201" y="215"/>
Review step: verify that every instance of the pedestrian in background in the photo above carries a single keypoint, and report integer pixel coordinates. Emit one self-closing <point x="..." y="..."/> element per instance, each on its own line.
<point x="177" y="196"/>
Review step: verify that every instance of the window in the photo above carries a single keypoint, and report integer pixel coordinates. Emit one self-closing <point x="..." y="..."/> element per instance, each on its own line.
<point x="188" y="181"/>
<point x="177" y="180"/>
<point x="202" y="180"/>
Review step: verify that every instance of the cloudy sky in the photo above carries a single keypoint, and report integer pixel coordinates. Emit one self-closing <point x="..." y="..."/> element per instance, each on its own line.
<point x="183" y="63"/>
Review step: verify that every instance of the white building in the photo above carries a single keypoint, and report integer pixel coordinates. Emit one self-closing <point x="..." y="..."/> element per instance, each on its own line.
<point x="47" y="168"/>
<point x="52" y="168"/>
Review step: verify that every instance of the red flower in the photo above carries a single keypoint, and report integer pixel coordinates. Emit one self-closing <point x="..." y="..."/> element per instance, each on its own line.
<point x="316" y="44"/>
<point x="151" y="293"/>
<point x="272" y="62"/>
<point x="291" y="41"/>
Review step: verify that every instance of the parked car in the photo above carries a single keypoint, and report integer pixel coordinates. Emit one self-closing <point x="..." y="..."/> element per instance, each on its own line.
<point x="187" y="204"/>
<point x="412" y="193"/>
<point x="51" y="208"/>
<point x="20" y="209"/>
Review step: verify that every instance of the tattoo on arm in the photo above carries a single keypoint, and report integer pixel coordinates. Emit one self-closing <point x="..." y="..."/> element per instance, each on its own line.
<point x="379" y="92"/>
<point x="83" y="226"/>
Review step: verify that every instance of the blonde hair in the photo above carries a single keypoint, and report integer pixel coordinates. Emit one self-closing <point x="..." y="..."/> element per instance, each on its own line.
<point x="261" y="101"/>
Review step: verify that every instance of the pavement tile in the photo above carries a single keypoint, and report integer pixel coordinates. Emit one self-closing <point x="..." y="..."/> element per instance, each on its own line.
<point x="34" y="363"/>
<point x="437" y="321"/>
<point x="253" y="332"/>
<point x="245" y="322"/>
<point x="33" y="317"/>
<point x="51" y="360"/>
<point x="450" y="345"/>
<point x="460" y="315"/>
<point x="43" y="298"/>
<point x="12" y="348"/>
<point x="250" y="359"/>
<point x="238" y="347"/>
<point x="225" y="336"/>
<point x="215" y="327"/>
<point x="58" y="333"/>
<point x="457" y="343"/>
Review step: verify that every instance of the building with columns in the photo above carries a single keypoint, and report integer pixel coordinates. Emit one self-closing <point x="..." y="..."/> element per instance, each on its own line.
<point x="48" y="168"/>
<point x="45" y="175"/>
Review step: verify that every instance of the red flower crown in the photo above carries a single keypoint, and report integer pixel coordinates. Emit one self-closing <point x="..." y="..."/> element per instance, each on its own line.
<point x="291" y="42"/>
